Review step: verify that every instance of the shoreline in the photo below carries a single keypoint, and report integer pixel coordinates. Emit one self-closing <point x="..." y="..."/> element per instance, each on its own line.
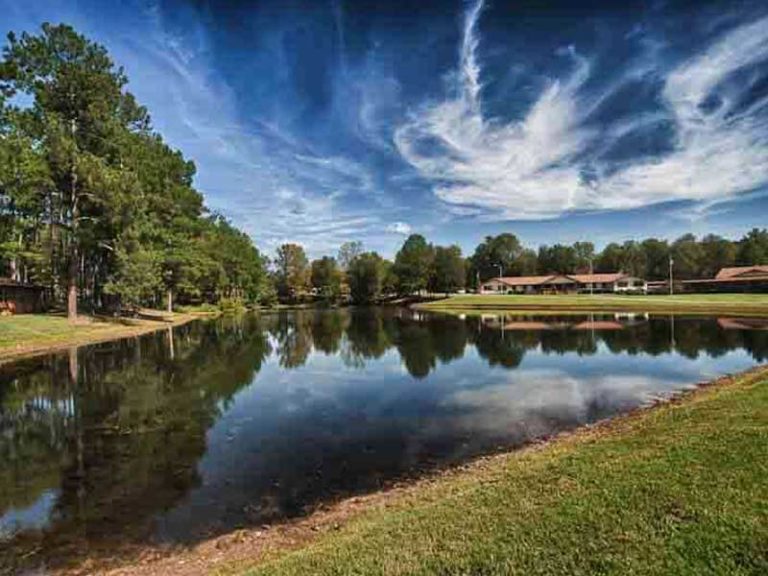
<point x="91" y="330"/>
<point x="253" y="548"/>
<point x="688" y="304"/>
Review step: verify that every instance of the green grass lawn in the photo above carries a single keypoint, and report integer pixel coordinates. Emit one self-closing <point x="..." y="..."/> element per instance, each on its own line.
<point x="31" y="332"/>
<point x="697" y="303"/>
<point x="680" y="489"/>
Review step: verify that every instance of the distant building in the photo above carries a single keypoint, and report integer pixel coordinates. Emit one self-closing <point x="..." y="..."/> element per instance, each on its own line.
<point x="733" y="279"/>
<point x="616" y="282"/>
<point x="17" y="298"/>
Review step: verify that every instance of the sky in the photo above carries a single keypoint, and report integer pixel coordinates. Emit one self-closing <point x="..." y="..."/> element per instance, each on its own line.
<point x="321" y="122"/>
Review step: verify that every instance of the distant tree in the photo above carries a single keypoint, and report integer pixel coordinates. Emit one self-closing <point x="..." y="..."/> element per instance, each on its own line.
<point x="366" y="277"/>
<point x="448" y="273"/>
<point x="633" y="259"/>
<point x="292" y="273"/>
<point x="557" y="259"/>
<point x="348" y="252"/>
<point x="496" y="251"/>
<point x="717" y="253"/>
<point x="656" y="258"/>
<point x="610" y="259"/>
<point x="326" y="278"/>
<point x="753" y="248"/>
<point x="413" y="264"/>
<point x="527" y="263"/>
<point x="688" y="256"/>
<point x="584" y="256"/>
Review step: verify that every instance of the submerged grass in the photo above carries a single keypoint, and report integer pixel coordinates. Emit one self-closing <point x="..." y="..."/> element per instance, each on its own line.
<point x="736" y="304"/>
<point x="680" y="489"/>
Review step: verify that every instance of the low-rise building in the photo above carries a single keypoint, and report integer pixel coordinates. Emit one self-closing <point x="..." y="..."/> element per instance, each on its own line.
<point x="615" y="282"/>
<point x="18" y="298"/>
<point x="732" y="279"/>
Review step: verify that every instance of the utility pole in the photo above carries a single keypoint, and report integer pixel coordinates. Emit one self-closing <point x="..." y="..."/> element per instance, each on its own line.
<point x="500" y="270"/>
<point x="671" y="264"/>
<point x="591" y="280"/>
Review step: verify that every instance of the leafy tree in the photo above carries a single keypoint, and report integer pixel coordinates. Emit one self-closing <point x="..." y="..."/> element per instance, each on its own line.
<point x="656" y="258"/>
<point x="292" y="270"/>
<point x="348" y="252"/>
<point x="633" y="259"/>
<point x="502" y="251"/>
<point x="326" y="278"/>
<point x="448" y="273"/>
<point x="557" y="259"/>
<point x="688" y="256"/>
<point x="413" y="264"/>
<point x="610" y="259"/>
<point x="717" y="253"/>
<point x="584" y="253"/>
<point x="753" y="248"/>
<point x="78" y="114"/>
<point x="366" y="275"/>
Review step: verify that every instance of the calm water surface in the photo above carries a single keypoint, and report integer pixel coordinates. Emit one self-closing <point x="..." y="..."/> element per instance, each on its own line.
<point x="185" y="434"/>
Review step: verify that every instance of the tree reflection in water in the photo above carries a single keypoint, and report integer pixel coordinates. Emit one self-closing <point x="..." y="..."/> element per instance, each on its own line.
<point x="96" y="444"/>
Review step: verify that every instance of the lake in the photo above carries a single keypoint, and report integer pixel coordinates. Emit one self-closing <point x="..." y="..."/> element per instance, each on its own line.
<point x="189" y="433"/>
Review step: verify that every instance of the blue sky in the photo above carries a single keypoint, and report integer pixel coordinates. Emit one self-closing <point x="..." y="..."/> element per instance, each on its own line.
<point x="320" y="122"/>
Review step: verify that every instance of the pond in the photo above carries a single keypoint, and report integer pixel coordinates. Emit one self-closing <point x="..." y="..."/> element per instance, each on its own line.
<point x="192" y="432"/>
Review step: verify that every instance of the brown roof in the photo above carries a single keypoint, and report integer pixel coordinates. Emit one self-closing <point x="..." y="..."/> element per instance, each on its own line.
<point x="523" y="280"/>
<point x="561" y="279"/>
<point x="599" y="278"/>
<point x="728" y="273"/>
<point x="599" y="325"/>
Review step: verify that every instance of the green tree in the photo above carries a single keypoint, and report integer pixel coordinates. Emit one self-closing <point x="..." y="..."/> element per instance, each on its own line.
<point x="688" y="257"/>
<point x="497" y="253"/>
<point x="292" y="270"/>
<point x="557" y="259"/>
<point x="584" y="253"/>
<point x="78" y="114"/>
<point x="326" y="278"/>
<point x="753" y="248"/>
<point x="366" y="275"/>
<point x="413" y="264"/>
<point x="448" y="273"/>
<point x="717" y="253"/>
<point x="656" y="258"/>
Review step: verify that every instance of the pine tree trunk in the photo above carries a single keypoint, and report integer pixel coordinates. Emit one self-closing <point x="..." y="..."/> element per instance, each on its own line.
<point x="169" y="295"/>
<point x="72" y="284"/>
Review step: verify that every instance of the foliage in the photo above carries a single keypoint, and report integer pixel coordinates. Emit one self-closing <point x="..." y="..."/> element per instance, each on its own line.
<point x="291" y="271"/>
<point x="448" y="274"/>
<point x="92" y="201"/>
<point x="326" y="278"/>
<point x="413" y="264"/>
<point x="366" y="275"/>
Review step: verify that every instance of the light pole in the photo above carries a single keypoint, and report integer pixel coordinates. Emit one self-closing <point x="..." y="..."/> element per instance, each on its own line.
<point x="500" y="270"/>
<point x="591" y="279"/>
<point x="671" y="264"/>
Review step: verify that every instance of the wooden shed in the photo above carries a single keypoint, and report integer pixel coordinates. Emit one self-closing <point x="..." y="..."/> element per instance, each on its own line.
<point x="18" y="298"/>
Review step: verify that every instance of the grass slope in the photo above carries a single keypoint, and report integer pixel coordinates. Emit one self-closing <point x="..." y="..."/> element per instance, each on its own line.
<point x="680" y="489"/>
<point x="736" y="304"/>
<point x="33" y="333"/>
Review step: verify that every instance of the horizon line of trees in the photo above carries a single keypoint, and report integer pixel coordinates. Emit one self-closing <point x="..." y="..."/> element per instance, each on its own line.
<point x="420" y="266"/>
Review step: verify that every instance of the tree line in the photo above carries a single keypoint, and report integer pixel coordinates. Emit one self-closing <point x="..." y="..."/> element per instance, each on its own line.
<point x="93" y="203"/>
<point x="420" y="266"/>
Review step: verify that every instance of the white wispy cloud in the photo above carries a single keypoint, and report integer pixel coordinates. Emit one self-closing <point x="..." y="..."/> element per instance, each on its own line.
<point x="401" y="228"/>
<point x="531" y="168"/>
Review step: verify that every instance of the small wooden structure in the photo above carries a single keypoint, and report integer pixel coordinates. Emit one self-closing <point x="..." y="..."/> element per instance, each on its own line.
<point x="18" y="298"/>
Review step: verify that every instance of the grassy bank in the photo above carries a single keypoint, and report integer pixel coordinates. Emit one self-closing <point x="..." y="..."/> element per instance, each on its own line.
<point x="30" y="334"/>
<point x="680" y="489"/>
<point x="732" y="304"/>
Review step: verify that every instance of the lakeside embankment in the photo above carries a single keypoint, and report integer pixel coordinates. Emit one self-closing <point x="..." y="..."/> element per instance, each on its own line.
<point x="730" y="304"/>
<point x="32" y="334"/>
<point x="679" y="487"/>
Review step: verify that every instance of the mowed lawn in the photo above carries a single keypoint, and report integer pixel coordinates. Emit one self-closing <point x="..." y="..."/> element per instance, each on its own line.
<point x="680" y="489"/>
<point x="30" y="332"/>
<point x="695" y="303"/>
